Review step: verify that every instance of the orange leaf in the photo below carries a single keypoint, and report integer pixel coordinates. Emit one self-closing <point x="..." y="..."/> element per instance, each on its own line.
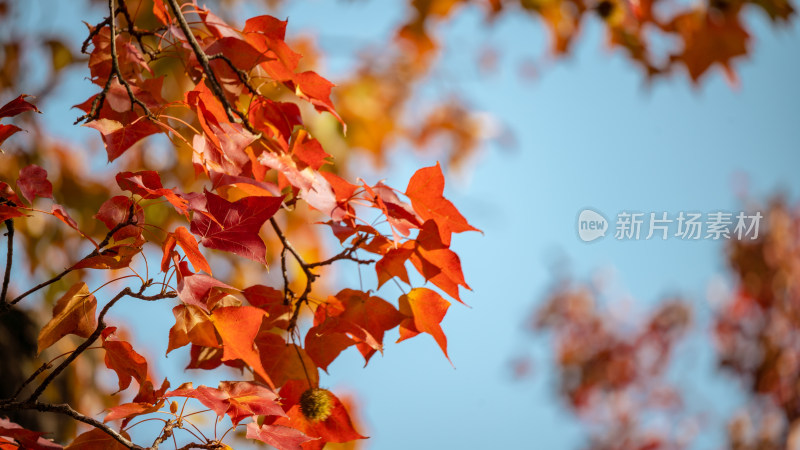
<point x="437" y="263"/>
<point x="192" y="325"/>
<point x="238" y="327"/>
<point x="393" y="264"/>
<point x="121" y="358"/>
<point x="424" y="310"/>
<point x="74" y="313"/>
<point x="281" y="360"/>
<point x="189" y="245"/>
<point x="426" y="189"/>
<point x="351" y="317"/>
<point x="130" y="410"/>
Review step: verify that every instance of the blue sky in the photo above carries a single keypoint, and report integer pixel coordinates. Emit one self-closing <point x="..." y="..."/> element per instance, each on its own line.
<point x="589" y="134"/>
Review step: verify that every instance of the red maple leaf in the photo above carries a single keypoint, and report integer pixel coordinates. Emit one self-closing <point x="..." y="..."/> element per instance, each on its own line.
<point x="236" y="224"/>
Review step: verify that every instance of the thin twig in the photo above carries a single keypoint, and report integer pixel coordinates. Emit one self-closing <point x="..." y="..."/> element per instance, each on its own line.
<point x="346" y="254"/>
<point x="33" y="376"/>
<point x="207" y="446"/>
<point x="135" y="32"/>
<point x="95" y="252"/>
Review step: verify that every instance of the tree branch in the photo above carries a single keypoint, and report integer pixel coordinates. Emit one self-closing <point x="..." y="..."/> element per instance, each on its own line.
<point x="66" y="410"/>
<point x="244" y="77"/>
<point x="203" y="59"/>
<point x="346" y="254"/>
<point x="9" y="258"/>
<point x="101" y="325"/>
<point x="97" y="103"/>
<point x="166" y="432"/>
<point x="81" y="348"/>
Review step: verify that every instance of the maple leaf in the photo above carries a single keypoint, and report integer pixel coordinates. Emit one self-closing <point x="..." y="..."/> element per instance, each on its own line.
<point x="308" y="150"/>
<point x="314" y="188"/>
<point x="392" y="264"/>
<point x="7" y="193"/>
<point x="59" y="212"/>
<point x="6" y="131"/>
<point x="398" y="214"/>
<point x="10" y="109"/>
<point x="147" y="184"/>
<point x="26" y="439"/>
<point x="246" y="399"/>
<point x="181" y="236"/>
<point x="236" y="224"/>
<point x="96" y="439"/>
<point x="195" y="288"/>
<point x="116" y="255"/>
<point x="276" y="119"/>
<point x="119" y="136"/>
<point x="33" y="183"/>
<point x="17" y="106"/>
<point x="424" y="310"/>
<point x="351" y="317"/>
<point x="284" y="361"/>
<point x="9" y="212"/>
<point x="128" y="411"/>
<point x="237" y="327"/>
<point x="278" y="436"/>
<point x="74" y="313"/>
<point x="317" y="90"/>
<point x="115" y="211"/>
<point x="122" y="359"/>
<point x="161" y="12"/>
<point x="709" y="39"/>
<point x="129" y="365"/>
<point x="270" y="300"/>
<point x="437" y="263"/>
<point x="425" y="189"/>
<point x="192" y="325"/>
<point x="237" y="399"/>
